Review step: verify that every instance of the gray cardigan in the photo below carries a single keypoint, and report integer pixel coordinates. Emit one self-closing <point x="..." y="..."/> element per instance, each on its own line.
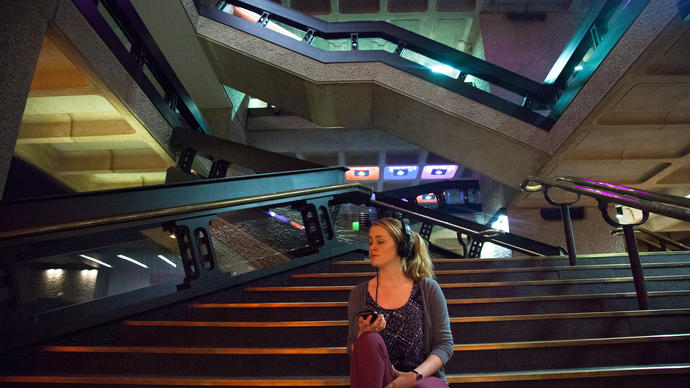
<point x="437" y="336"/>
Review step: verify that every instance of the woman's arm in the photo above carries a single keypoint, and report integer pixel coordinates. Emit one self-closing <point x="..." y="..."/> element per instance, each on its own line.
<point x="441" y="336"/>
<point x="409" y="379"/>
<point x="353" y="307"/>
<point x="430" y="365"/>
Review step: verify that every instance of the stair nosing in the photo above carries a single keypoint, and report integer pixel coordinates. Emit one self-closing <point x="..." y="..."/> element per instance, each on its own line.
<point x="501" y="270"/>
<point x="223" y="350"/>
<point x="479" y="318"/>
<point x="478" y="284"/>
<point x="552" y="374"/>
<point x="448" y="301"/>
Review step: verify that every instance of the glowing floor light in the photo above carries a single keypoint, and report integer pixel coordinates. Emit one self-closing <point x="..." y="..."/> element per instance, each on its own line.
<point x="132" y="261"/>
<point x="96" y="261"/>
<point x="167" y="261"/>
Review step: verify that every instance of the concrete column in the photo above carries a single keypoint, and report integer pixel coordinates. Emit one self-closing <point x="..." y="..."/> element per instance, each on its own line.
<point x="495" y="195"/>
<point x="22" y="28"/>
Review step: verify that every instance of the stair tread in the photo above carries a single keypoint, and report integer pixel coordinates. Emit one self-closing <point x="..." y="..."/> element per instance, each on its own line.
<point x="552" y="374"/>
<point x="524" y="258"/>
<point x="341" y="349"/>
<point x="500" y="270"/>
<point x="478" y="284"/>
<point x="448" y="301"/>
<point x="485" y="318"/>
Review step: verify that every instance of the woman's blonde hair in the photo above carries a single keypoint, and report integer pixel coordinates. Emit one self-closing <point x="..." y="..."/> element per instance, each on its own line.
<point x="419" y="266"/>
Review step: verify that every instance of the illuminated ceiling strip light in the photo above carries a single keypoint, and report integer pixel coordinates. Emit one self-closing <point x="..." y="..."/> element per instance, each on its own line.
<point x="96" y="261"/>
<point x="445" y="70"/>
<point x="167" y="261"/>
<point x="132" y="260"/>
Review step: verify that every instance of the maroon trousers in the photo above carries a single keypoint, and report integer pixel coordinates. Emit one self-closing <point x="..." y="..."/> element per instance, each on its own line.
<point x="370" y="366"/>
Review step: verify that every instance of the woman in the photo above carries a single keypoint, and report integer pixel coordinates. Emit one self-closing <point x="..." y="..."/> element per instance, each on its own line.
<point x="412" y="330"/>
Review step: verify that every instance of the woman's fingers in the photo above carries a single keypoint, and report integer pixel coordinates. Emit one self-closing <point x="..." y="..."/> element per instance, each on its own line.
<point x="380" y="323"/>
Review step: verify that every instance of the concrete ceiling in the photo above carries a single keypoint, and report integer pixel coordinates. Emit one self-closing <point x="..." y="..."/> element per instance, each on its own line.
<point x="635" y="133"/>
<point x="77" y="131"/>
<point x="628" y="126"/>
<point x="639" y="135"/>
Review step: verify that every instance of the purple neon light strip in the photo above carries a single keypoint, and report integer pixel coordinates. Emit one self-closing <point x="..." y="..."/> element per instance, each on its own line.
<point x="619" y="187"/>
<point x="284" y="219"/>
<point x="607" y="193"/>
<point x="278" y="216"/>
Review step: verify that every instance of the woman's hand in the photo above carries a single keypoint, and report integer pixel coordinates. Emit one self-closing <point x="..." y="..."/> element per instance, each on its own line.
<point x="404" y="380"/>
<point x="365" y="325"/>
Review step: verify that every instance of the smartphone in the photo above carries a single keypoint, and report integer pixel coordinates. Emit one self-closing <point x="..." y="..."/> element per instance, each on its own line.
<point x="368" y="313"/>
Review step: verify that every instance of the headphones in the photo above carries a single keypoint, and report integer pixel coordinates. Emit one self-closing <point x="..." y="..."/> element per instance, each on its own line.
<point x="406" y="246"/>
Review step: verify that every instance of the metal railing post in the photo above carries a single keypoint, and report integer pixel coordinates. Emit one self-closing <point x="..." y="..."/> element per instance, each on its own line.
<point x="569" y="235"/>
<point x="636" y="267"/>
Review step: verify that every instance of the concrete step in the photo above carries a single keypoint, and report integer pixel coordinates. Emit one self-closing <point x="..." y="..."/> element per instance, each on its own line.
<point x="551" y="261"/>
<point x="479" y="289"/>
<point x="535" y="327"/>
<point x="647" y="376"/>
<point x="505" y="274"/>
<point x="298" y="311"/>
<point x="279" y="361"/>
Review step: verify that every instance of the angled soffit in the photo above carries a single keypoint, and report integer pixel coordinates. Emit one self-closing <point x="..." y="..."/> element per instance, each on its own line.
<point x="78" y="132"/>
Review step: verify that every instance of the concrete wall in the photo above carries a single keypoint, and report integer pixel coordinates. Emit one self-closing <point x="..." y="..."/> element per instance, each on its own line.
<point x="22" y="27"/>
<point x="592" y="234"/>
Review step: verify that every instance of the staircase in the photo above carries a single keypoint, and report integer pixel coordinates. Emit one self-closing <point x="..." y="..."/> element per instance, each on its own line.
<point x="515" y="322"/>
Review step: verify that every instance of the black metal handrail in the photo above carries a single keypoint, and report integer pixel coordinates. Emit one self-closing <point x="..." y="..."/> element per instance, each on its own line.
<point x="630" y="191"/>
<point x="143" y="55"/>
<point x="663" y="204"/>
<point x="488" y="234"/>
<point x="537" y="96"/>
<point x="174" y="211"/>
<point x="605" y="194"/>
<point x="40" y="218"/>
<point x="661" y="238"/>
<point x="80" y="222"/>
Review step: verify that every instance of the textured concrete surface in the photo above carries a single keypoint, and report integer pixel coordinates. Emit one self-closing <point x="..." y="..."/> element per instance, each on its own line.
<point x="592" y="234"/>
<point x="473" y="135"/>
<point x="655" y="17"/>
<point x="22" y="27"/>
<point x="182" y="50"/>
<point x="72" y="24"/>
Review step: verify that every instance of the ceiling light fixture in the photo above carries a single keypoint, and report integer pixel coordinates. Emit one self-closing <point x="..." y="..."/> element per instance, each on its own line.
<point x="167" y="260"/>
<point x="132" y="261"/>
<point x="96" y="261"/>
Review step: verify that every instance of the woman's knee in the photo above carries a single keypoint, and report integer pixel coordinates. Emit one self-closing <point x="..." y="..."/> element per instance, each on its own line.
<point x="368" y="341"/>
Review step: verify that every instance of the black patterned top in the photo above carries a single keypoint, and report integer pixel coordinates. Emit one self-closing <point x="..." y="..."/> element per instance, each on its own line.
<point x="404" y="332"/>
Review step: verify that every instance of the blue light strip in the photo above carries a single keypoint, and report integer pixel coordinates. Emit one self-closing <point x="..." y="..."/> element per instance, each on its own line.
<point x="284" y="219"/>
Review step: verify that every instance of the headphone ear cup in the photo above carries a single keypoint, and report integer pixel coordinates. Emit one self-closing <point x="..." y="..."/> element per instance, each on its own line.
<point x="405" y="249"/>
<point x="405" y="246"/>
